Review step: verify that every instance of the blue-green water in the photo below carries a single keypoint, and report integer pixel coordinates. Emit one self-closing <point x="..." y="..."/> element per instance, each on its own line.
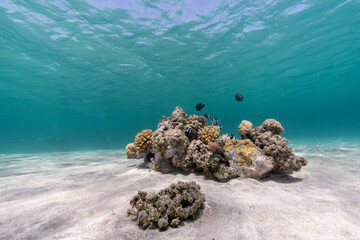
<point x="90" y="75"/>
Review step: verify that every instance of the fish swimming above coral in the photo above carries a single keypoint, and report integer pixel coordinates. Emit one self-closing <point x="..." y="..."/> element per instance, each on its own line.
<point x="238" y="97"/>
<point x="208" y="116"/>
<point x="214" y="121"/>
<point x="199" y="106"/>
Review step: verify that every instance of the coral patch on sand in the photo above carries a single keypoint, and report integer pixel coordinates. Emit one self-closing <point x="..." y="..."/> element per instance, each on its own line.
<point x="170" y="206"/>
<point x="189" y="144"/>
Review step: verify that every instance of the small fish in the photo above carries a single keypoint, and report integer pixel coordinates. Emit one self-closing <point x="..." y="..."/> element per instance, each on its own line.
<point x="209" y="115"/>
<point x="238" y="97"/>
<point x="220" y="127"/>
<point x="214" y="121"/>
<point x="188" y="130"/>
<point x="232" y="137"/>
<point x="199" y="106"/>
<point x="206" y="116"/>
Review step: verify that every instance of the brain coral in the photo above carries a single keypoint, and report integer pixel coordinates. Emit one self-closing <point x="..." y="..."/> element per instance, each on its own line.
<point x="208" y="134"/>
<point x="143" y="140"/>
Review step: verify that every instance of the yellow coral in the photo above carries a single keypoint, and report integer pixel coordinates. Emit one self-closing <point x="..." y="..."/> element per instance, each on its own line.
<point x="244" y="149"/>
<point x="230" y="144"/>
<point x="143" y="140"/>
<point x="208" y="134"/>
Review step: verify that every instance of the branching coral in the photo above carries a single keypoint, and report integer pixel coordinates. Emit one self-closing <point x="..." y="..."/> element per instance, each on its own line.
<point x="169" y="206"/>
<point x="143" y="140"/>
<point x="208" y="134"/>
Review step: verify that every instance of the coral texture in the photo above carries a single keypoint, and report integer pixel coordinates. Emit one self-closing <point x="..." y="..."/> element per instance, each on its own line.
<point x="187" y="143"/>
<point x="170" y="206"/>
<point x="212" y="146"/>
<point x="143" y="140"/>
<point x="208" y="134"/>
<point x="267" y="137"/>
<point x="273" y="126"/>
<point x="245" y="129"/>
<point x="131" y="151"/>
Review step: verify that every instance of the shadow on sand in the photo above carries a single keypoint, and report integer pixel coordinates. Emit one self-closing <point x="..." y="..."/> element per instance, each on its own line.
<point x="281" y="178"/>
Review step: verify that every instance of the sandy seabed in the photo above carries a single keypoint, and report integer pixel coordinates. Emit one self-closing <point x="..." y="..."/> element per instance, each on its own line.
<point x="85" y="195"/>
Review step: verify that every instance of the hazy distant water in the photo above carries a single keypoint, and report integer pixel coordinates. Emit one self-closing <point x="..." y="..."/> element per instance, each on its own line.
<point x="89" y="75"/>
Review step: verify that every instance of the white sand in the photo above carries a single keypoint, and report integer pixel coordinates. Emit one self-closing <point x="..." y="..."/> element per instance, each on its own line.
<point x="85" y="195"/>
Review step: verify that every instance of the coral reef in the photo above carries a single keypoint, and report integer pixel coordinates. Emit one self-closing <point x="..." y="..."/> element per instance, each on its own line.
<point x="208" y="134"/>
<point x="187" y="143"/>
<point x="143" y="141"/>
<point x="170" y="206"/>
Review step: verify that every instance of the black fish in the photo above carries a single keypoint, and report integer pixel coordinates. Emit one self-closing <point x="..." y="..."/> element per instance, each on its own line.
<point x="206" y="116"/>
<point x="232" y="137"/>
<point x="199" y="106"/>
<point x="190" y="133"/>
<point x="239" y="97"/>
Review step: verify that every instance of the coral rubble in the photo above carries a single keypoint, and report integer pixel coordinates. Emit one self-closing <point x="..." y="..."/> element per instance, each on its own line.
<point x="189" y="144"/>
<point x="170" y="206"/>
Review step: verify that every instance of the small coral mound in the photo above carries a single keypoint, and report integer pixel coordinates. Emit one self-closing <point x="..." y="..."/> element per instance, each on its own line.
<point x="169" y="206"/>
<point x="131" y="151"/>
<point x="245" y="129"/>
<point x="267" y="137"/>
<point x="208" y="134"/>
<point x="143" y="140"/>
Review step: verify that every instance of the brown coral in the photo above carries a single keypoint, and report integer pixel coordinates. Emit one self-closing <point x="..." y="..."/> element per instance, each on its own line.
<point x="143" y="140"/>
<point x="208" y="134"/>
<point x="273" y="126"/>
<point x="267" y="137"/>
<point x="171" y="205"/>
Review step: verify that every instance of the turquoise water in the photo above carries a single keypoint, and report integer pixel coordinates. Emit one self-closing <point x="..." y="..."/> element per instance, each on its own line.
<point x="78" y="75"/>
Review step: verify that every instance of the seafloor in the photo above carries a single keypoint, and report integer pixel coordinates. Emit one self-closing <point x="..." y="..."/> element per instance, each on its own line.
<point x="85" y="195"/>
